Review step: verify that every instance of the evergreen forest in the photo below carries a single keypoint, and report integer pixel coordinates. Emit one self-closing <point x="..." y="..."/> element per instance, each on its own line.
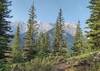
<point x="37" y="53"/>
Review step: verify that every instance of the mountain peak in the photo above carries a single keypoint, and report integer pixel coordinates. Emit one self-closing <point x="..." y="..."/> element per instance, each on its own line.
<point x="46" y="26"/>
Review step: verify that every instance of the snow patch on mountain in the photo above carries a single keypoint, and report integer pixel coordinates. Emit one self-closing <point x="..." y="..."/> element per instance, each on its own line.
<point x="70" y="28"/>
<point x="45" y="27"/>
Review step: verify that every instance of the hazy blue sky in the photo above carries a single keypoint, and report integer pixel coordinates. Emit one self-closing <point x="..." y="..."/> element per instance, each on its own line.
<point x="47" y="10"/>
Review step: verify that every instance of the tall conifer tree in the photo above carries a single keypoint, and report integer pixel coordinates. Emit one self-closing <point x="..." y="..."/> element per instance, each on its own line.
<point x="59" y="42"/>
<point x="58" y="33"/>
<point x="15" y="48"/>
<point x="30" y="35"/>
<point x="46" y="38"/>
<point x="4" y="26"/>
<point x="78" y="41"/>
<point x="43" y="44"/>
<point x="94" y="24"/>
<point x="44" y="41"/>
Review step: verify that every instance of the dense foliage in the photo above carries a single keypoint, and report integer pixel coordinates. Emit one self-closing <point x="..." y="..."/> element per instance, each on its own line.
<point x="37" y="54"/>
<point x="30" y="42"/>
<point x="94" y="24"/>
<point x="78" y="47"/>
<point x="16" y="51"/>
<point x="4" y="26"/>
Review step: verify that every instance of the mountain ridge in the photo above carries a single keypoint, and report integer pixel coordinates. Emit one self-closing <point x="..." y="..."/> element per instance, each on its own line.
<point x="69" y="32"/>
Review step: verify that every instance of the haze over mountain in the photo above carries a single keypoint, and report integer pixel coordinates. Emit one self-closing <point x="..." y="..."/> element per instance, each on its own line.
<point x="68" y="27"/>
<point x="46" y="27"/>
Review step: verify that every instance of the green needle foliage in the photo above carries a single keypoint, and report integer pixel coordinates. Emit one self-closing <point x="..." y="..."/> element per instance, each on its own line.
<point x="43" y="44"/>
<point x="94" y="24"/>
<point x="16" y="49"/>
<point x="44" y="41"/>
<point x="78" y="47"/>
<point x="39" y="54"/>
<point x="4" y="26"/>
<point x="30" y="41"/>
<point x="60" y="45"/>
<point x="59" y="31"/>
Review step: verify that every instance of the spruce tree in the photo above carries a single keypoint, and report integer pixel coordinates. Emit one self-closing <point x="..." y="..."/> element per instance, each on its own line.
<point x="44" y="40"/>
<point x="30" y="41"/>
<point x="94" y="24"/>
<point x="60" y="45"/>
<point x="41" y="40"/>
<point x="16" y="55"/>
<point x="59" y="31"/>
<point x="78" y="47"/>
<point x="5" y="28"/>
<point x="43" y="44"/>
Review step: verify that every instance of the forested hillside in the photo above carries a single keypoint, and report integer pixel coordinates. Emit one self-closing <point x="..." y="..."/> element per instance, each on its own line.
<point x="54" y="50"/>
